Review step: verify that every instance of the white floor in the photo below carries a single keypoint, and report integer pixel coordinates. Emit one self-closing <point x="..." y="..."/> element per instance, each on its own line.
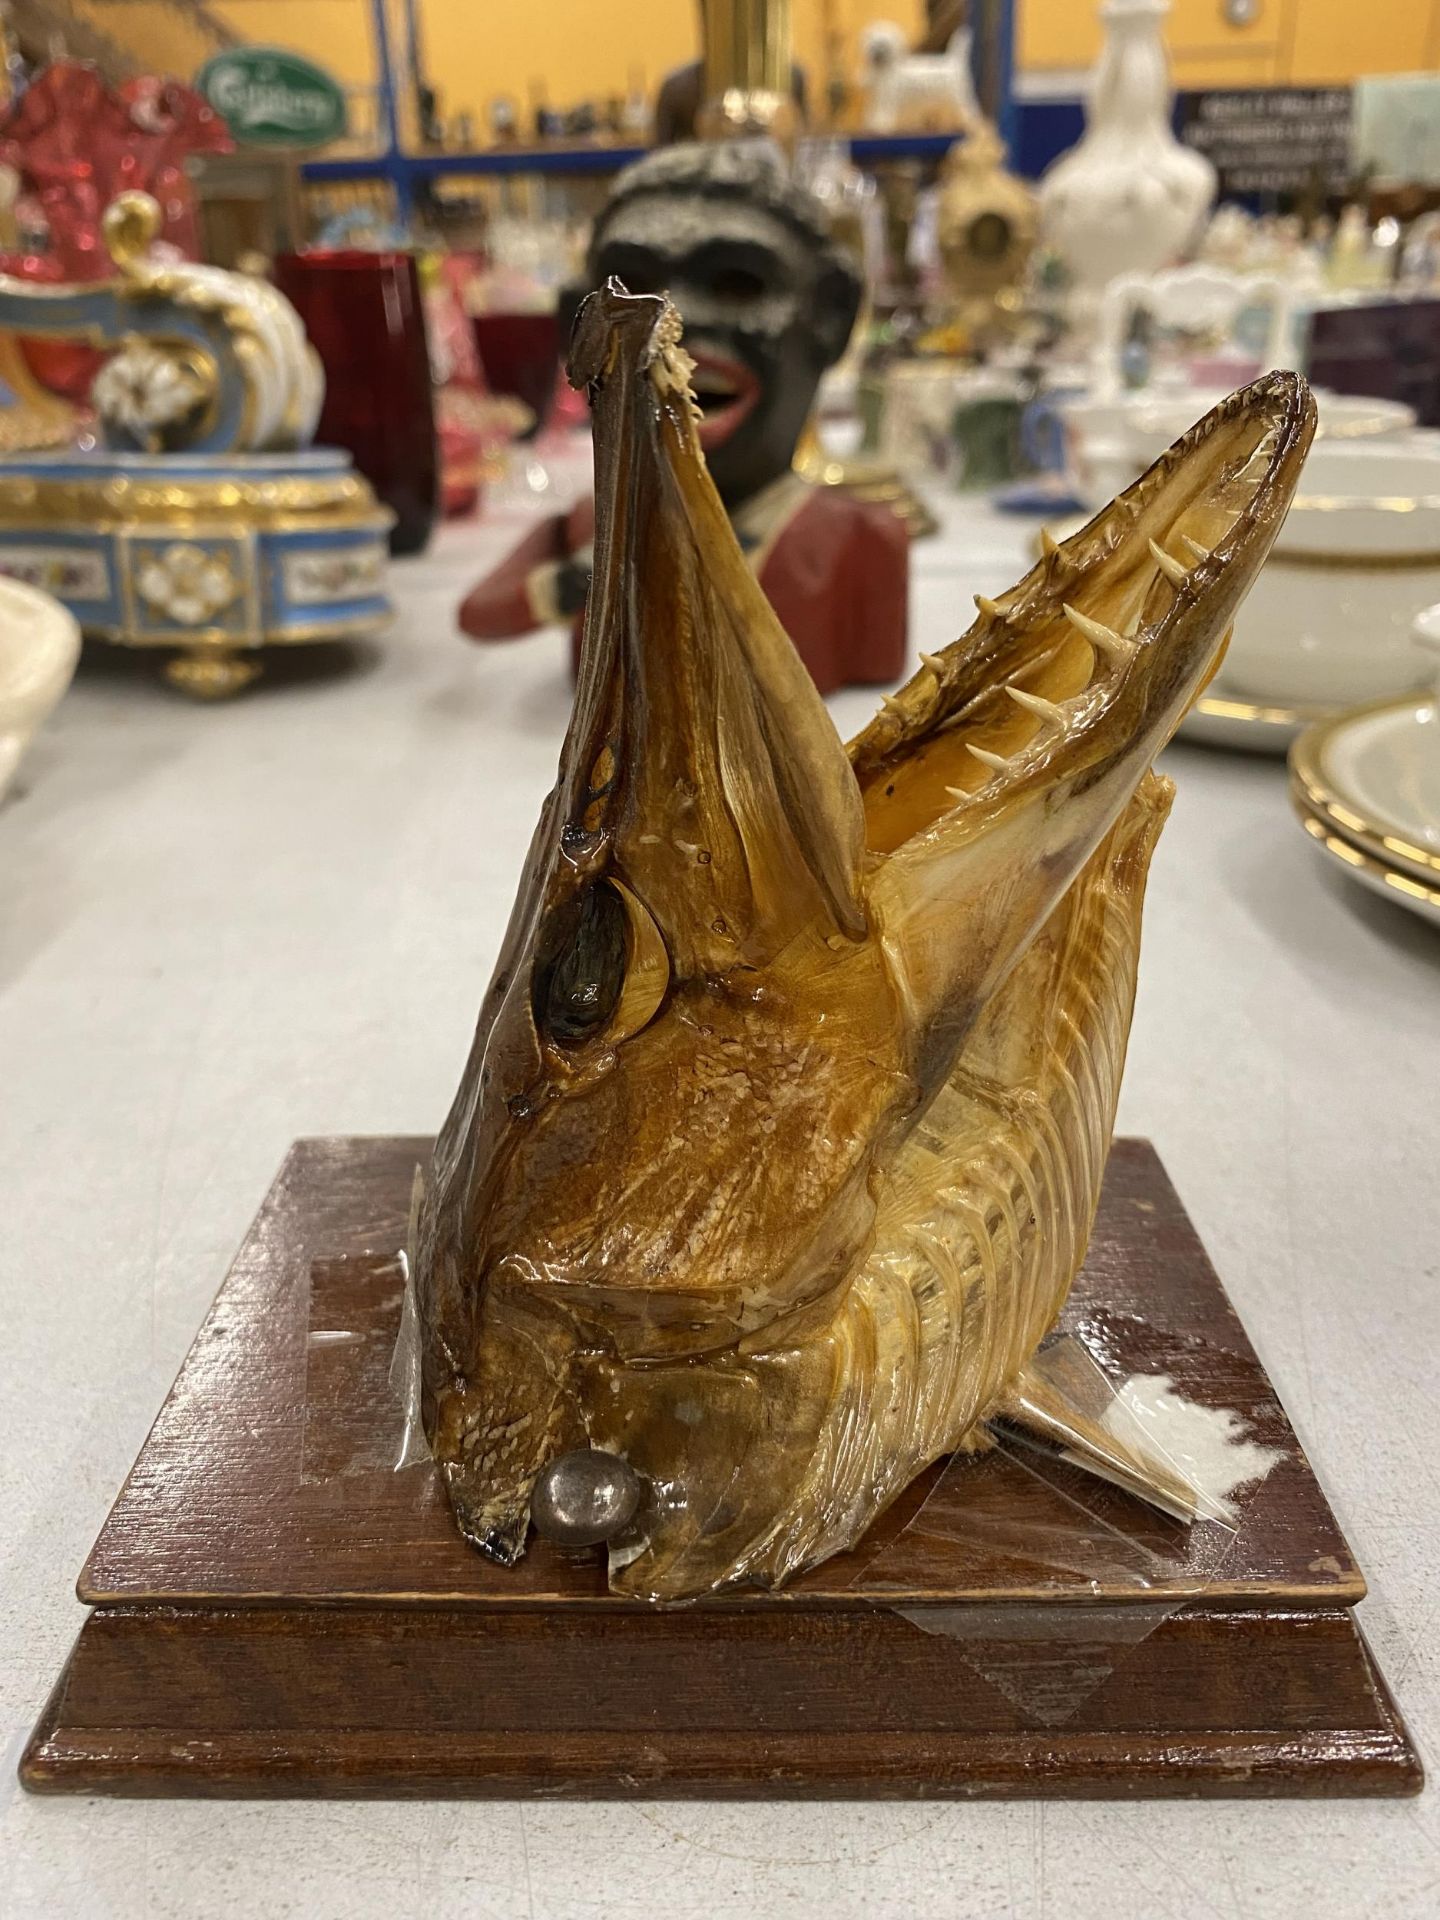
<point x="224" y="927"/>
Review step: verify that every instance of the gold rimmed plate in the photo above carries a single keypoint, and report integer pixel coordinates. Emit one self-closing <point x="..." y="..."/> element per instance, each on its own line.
<point x="1373" y="776"/>
<point x="1224" y="720"/>
<point x="1390" y="882"/>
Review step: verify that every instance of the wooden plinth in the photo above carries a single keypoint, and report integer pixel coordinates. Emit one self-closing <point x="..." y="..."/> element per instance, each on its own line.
<point x="277" y="1611"/>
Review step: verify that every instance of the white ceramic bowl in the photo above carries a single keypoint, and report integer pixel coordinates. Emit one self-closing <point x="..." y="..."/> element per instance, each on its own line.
<point x="1112" y="442"/>
<point x="1342" y="416"/>
<point x="39" y="645"/>
<point x="1329" y="621"/>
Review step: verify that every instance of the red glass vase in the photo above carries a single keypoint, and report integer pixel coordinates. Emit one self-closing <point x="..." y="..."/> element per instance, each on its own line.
<point x="520" y="353"/>
<point x="364" y="315"/>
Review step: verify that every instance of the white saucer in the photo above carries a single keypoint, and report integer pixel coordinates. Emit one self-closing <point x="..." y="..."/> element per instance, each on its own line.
<point x="1390" y="882"/>
<point x="1222" y="719"/>
<point x="1373" y="777"/>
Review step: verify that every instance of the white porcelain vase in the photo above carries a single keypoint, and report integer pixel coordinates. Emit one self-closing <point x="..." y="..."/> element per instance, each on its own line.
<point x="39" y="645"/>
<point x="1128" y="198"/>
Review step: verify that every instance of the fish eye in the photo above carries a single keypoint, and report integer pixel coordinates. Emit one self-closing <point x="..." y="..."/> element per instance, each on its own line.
<point x="582" y="965"/>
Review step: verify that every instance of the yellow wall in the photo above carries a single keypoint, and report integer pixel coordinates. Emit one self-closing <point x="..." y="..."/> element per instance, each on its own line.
<point x="581" y="49"/>
<point x="587" y="49"/>
<point x="1289" y="42"/>
<point x="159" y="37"/>
<point x="336" y="33"/>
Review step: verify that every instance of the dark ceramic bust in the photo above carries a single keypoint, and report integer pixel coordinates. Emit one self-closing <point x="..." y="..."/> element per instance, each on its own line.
<point x="768" y="299"/>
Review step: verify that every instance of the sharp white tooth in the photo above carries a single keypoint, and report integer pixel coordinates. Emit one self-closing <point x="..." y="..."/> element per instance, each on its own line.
<point x="891" y="704"/>
<point x="985" y="605"/>
<point x="995" y="761"/>
<point x="1131" y="626"/>
<point x="1048" y="543"/>
<point x="1173" y="570"/>
<point x="1199" y="552"/>
<point x="1037" y="704"/>
<point x="957" y="793"/>
<point x="935" y="664"/>
<point x="1098" y="634"/>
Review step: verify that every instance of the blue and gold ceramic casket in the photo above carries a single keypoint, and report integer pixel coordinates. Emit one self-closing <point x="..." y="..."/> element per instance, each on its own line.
<point x="205" y="524"/>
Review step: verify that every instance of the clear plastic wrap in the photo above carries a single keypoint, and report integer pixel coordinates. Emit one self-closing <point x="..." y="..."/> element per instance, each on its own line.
<point x="1044" y="1575"/>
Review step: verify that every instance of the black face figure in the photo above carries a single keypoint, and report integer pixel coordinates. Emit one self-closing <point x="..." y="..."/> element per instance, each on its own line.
<point x="767" y="307"/>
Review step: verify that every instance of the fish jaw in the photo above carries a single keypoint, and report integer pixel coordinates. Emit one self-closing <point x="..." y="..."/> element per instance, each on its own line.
<point x="989" y="780"/>
<point x="495" y="1423"/>
<point x="688" y="680"/>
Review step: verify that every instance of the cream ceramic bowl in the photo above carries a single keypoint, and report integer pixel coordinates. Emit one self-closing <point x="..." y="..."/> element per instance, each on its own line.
<point x="1111" y="442"/>
<point x="1329" y="622"/>
<point x="39" y="645"/>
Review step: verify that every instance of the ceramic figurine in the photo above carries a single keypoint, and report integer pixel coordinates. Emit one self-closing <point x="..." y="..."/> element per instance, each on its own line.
<point x="635" y="113"/>
<point x="769" y="302"/>
<point x="1129" y="198"/>
<point x="916" y="92"/>
<point x="784" y="1124"/>
<point x="39" y="646"/>
<point x="206" y="524"/>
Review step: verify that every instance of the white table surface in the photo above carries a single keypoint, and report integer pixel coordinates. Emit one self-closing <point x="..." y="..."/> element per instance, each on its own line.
<point x="223" y="927"/>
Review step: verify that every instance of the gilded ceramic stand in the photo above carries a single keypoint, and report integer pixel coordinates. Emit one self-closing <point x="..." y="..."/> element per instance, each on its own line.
<point x="206" y="524"/>
<point x="214" y="557"/>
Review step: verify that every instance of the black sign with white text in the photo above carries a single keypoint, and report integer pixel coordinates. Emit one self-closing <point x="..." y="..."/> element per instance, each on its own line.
<point x="1271" y="140"/>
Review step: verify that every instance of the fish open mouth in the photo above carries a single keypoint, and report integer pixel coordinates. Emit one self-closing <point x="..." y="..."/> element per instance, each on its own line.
<point x="726" y="392"/>
<point x="1106" y="642"/>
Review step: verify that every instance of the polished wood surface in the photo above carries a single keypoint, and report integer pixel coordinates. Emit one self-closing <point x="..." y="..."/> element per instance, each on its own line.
<point x="277" y="1610"/>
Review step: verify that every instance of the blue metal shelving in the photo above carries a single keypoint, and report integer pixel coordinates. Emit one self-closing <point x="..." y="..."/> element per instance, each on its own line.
<point x="405" y="171"/>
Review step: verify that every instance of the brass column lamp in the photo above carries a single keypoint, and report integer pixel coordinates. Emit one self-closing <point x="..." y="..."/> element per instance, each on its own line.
<point x="747" y="72"/>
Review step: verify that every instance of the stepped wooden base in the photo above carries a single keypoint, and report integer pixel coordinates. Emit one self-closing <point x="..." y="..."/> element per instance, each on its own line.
<point x="277" y="1611"/>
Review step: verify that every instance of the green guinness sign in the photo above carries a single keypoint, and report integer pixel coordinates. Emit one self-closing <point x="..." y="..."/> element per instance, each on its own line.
<point x="270" y="98"/>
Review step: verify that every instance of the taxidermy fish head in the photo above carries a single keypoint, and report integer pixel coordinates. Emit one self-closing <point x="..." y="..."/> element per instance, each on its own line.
<point x="743" y="965"/>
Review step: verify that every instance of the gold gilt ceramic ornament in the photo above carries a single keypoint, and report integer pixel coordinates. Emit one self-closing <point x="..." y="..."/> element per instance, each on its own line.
<point x="205" y="523"/>
<point x="784" y="1125"/>
<point x="987" y="221"/>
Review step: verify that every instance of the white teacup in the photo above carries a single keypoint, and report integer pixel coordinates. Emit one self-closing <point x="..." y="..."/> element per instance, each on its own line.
<point x="1328" y="623"/>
